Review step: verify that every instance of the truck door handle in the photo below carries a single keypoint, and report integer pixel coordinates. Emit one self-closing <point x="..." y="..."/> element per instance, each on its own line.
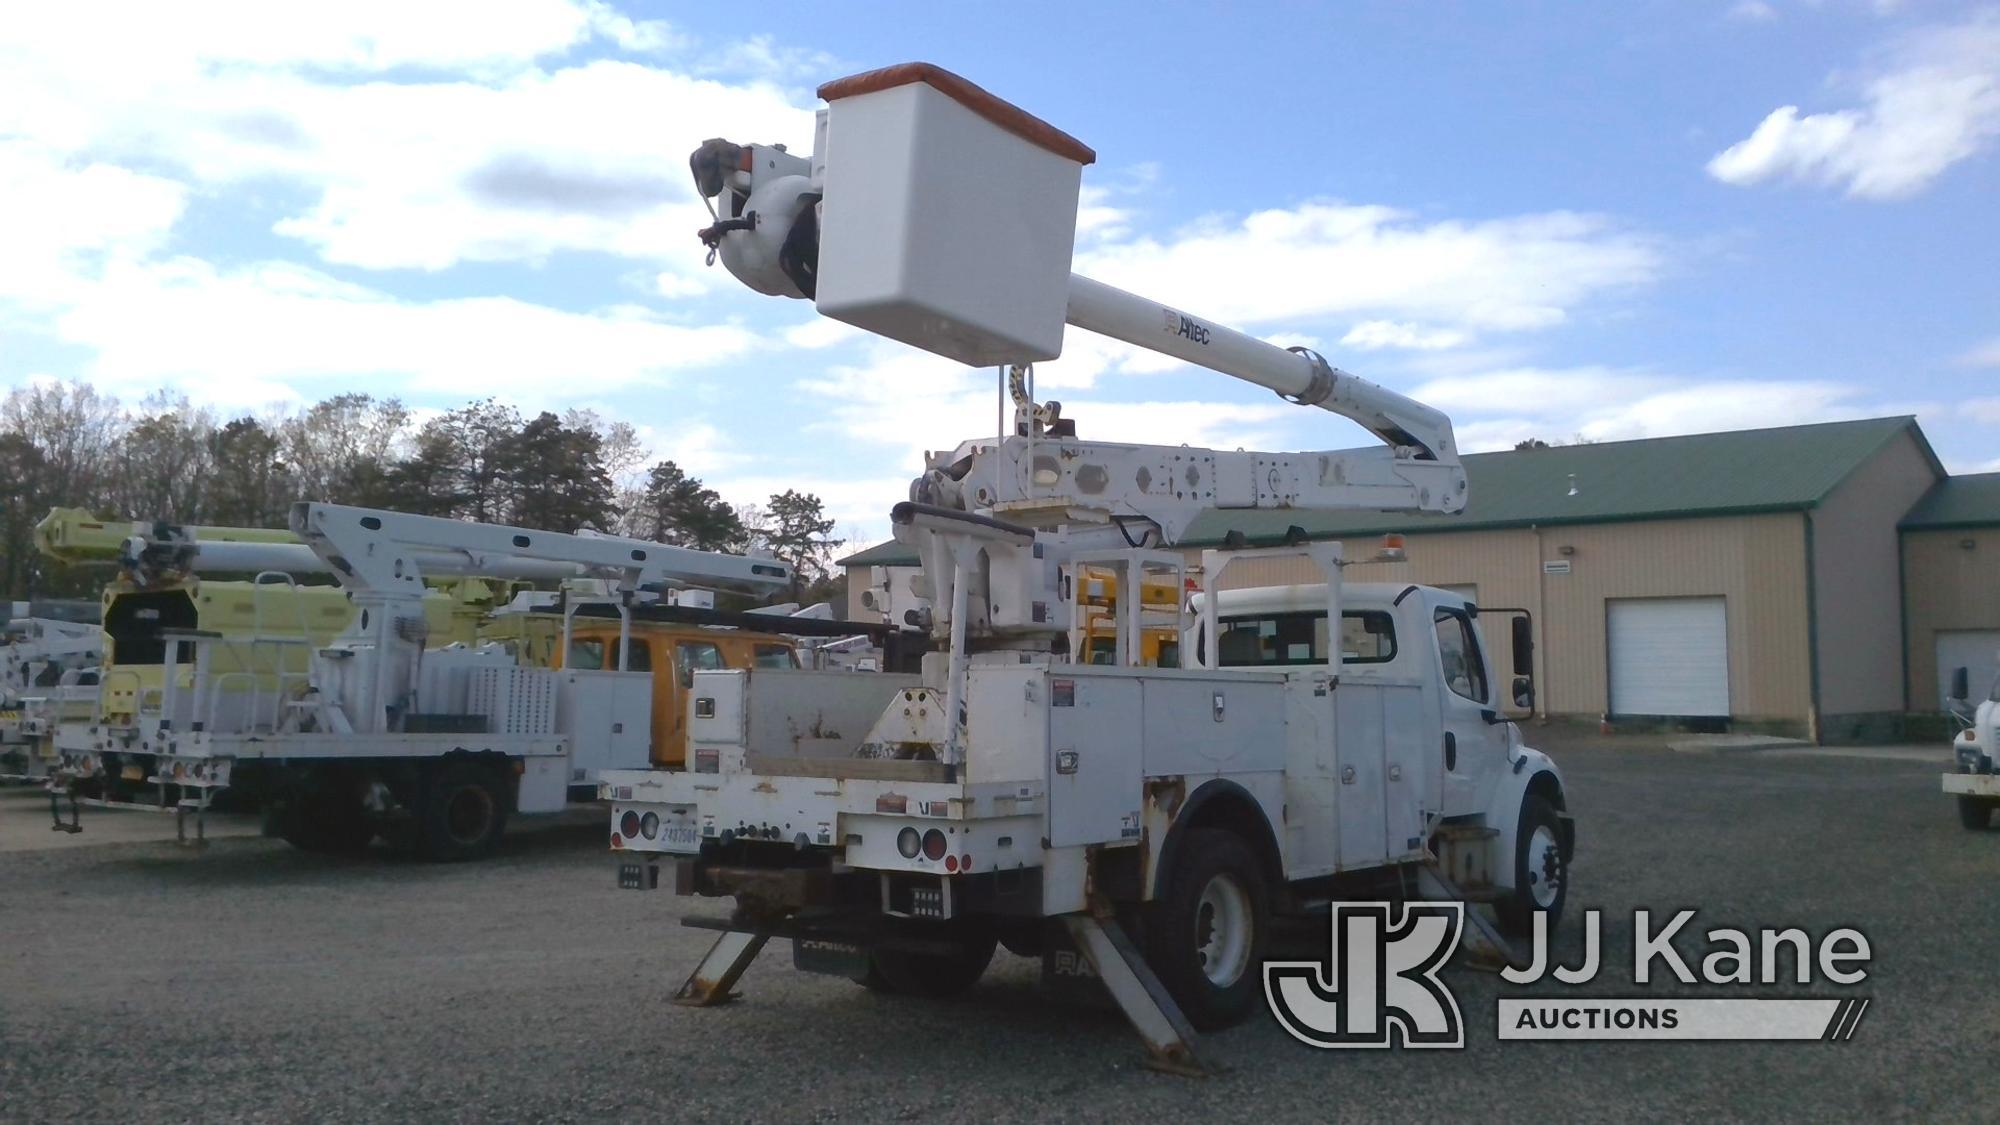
<point x="1450" y="751"/>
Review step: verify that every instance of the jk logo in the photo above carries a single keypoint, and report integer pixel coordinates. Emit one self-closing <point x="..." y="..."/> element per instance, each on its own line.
<point x="1376" y="977"/>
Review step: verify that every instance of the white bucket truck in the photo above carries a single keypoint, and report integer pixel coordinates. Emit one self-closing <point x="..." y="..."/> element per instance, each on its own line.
<point x="1146" y="822"/>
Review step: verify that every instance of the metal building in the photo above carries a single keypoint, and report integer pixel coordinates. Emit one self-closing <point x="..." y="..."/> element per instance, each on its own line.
<point x="1749" y="580"/>
<point x="1951" y="587"/>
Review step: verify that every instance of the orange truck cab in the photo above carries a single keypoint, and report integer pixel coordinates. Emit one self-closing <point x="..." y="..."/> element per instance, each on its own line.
<point x="673" y="653"/>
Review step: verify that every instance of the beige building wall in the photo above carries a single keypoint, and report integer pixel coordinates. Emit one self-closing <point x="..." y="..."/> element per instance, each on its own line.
<point x="1757" y="564"/>
<point x="1857" y="583"/>
<point x="1947" y="585"/>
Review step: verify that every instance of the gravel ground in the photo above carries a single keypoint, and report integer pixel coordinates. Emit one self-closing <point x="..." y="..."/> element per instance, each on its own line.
<point x="141" y="981"/>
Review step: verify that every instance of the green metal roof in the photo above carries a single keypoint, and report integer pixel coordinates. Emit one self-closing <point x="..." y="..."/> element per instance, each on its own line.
<point x="1743" y="472"/>
<point x="1967" y="501"/>
<point x="1791" y="468"/>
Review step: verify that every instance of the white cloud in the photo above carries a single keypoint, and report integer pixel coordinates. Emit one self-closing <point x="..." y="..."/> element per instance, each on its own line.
<point x="1370" y="335"/>
<point x="1752" y="11"/>
<point x="1498" y="408"/>
<point x="488" y="157"/>
<point x="1325" y="259"/>
<point x="1985" y="410"/>
<point x="59" y="219"/>
<point x="1984" y="355"/>
<point x="1933" y="101"/>
<point x="821" y="332"/>
<point x="234" y="334"/>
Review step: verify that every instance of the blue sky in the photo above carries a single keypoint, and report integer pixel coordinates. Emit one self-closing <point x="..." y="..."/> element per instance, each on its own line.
<point x="1550" y="220"/>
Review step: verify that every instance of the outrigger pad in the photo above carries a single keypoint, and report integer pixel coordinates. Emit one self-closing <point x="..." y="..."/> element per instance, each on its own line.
<point x="711" y="981"/>
<point x="1168" y="1036"/>
<point x="75" y="824"/>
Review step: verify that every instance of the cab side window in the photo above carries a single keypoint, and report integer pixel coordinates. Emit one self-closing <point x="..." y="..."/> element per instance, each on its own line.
<point x="696" y="656"/>
<point x="585" y="655"/>
<point x="775" y="656"/>
<point x="1458" y="648"/>
<point x="642" y="656"/>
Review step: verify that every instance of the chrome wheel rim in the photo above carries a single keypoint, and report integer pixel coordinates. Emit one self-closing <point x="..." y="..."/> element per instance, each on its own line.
<point x="1223" y="930"/>
<point x="1544" y="867"/>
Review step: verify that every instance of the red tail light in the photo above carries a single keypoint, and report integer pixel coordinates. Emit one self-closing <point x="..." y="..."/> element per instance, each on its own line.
<point x="934" y="845"/>
<point x="951" y="863"/>
<point x="628" y="825"/>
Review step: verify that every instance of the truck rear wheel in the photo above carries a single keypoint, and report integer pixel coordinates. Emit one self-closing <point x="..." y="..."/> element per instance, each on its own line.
<point x="322" y="813"/>
<point x="1975" y="813"/>
<point x="1205" y="937"/>
<point x="1541" y="872"/>
<point x="933" y="974"/>
<point x="462" y="813"/>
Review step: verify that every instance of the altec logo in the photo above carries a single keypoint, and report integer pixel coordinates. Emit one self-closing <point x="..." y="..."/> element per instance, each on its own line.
<point x="1186" y="327"/>
<point x="1380" y="977"/>
<point x="1379" y="983"/>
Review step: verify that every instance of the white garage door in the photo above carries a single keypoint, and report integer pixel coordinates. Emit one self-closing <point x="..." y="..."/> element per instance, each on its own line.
<point x="1973" y="650"/>
<point x="1669" y="656"/>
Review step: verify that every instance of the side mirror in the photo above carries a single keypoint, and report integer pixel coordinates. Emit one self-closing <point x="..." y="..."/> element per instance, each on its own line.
<point x="1524" y="647"/>
<point x="1524" y="693"/>
<point x="1961" y="688"/>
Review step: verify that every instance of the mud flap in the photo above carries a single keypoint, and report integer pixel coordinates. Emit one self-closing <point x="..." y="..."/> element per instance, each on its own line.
<point x="830" y="957"/>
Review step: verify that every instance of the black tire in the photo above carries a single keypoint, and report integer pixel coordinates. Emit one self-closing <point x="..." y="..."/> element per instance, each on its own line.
<point x="462" y="812"/>
<point x="1212" y="867"/>
<point x="933" y="974"/>
<point x="1532" y="872"/>
<point x="322" y="813"/>
<point x="1975" y="813"/>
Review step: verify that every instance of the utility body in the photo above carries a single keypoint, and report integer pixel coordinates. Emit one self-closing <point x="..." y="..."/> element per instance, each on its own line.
<point x="1139" y="823"/>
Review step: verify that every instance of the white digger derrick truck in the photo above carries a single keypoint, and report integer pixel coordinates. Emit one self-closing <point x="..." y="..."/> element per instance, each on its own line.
<point x="1140" y="823"/>
<point x="380" y="734"/>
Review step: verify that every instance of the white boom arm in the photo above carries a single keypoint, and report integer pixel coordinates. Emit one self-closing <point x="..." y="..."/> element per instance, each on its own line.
<point x="1296" y="374"/>
<point x="369" y="673"/>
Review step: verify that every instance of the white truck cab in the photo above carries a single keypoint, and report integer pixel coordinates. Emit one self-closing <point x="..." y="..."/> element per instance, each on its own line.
<point x="1976" y="754"/>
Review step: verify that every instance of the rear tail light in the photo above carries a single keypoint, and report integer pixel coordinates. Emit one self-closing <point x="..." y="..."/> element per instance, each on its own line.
<point x="628" y="825"/>
<point x="649" y="825"/>
<point x="934" y="844"/>
<point x="909" y="843"/>
<point x="951" y="863"/>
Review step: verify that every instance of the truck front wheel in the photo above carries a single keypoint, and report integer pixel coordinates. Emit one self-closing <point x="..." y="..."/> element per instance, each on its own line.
<point x="1205" y="937"/>
<point x="1541" y="871"/>
<point x="1975" y="813"/>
